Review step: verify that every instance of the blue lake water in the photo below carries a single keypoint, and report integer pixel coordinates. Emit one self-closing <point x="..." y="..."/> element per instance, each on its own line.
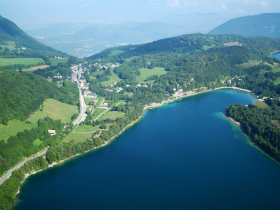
<point x="276" y="55"/>
<point x="184" y="155"/>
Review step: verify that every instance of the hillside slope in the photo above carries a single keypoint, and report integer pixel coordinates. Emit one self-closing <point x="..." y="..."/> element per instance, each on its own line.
<point x="95" y="38"/>
<point x="267" y="24"/>
<point x="9" y="31"/>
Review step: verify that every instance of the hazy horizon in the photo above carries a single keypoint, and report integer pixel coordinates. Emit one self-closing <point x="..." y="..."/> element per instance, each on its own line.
<point x="117" y="11"/>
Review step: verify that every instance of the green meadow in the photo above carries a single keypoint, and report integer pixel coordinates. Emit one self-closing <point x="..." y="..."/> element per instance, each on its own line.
<point x="112" y="115"/>
<point x="145" y="73"/>
<point x="77" y="137"/>
<point x="55" y="62"/>
<point x="13" y="127"/>
<point x="25" y="61"/>
<point x="55" y="110"/>
<point x="113" y="78"/>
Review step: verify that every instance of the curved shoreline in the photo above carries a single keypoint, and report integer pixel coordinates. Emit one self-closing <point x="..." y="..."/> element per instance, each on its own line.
<point x="146" y="107"/>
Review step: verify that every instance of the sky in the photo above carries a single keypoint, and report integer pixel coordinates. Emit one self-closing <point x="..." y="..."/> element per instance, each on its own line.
<point x="115" y="11"/>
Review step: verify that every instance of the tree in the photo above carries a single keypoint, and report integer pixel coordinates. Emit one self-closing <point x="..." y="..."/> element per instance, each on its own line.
<point x="103" y="126"/>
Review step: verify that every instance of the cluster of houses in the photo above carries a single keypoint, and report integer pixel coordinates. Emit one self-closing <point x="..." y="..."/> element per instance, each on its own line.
<point x="89" y="94"/>
<point x="111" y="67"/>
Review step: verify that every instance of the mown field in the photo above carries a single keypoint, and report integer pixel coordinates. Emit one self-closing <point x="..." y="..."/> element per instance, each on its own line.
<point x="25" y="61"/>
<point x="55" y="110"/>
<point x="112" y="115"/>
<point x="77" y="137"/>
<point x="13" y="127"/>
<point x="52" y="108"/>
<point x="116" y="52"/>
<point x="145" y="73"/>
<point x="55" y="62"/>
<point x="113" y="78"/>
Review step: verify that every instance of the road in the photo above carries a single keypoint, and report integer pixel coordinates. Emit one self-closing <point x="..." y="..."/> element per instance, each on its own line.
<point x="83" y="109"/>
<point x="9" y="173"/>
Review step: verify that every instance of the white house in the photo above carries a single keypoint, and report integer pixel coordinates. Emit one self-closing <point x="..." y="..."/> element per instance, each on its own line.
<point x="52" y="132"/>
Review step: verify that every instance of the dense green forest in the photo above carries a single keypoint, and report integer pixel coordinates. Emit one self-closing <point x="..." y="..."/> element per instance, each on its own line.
<point x="23" y="93"/>
<point x="261" y="125"/>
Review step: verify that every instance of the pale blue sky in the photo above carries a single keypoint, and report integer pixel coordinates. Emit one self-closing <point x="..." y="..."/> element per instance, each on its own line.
<point x="114" y="11"/>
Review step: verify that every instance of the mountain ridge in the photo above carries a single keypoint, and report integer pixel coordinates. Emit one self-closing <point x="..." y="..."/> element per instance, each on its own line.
<point x="266" y="24"/>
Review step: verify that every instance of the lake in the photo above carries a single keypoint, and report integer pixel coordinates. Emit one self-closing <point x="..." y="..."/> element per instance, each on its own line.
<point x="276" y="55"/>
<point x="184" y="155"/>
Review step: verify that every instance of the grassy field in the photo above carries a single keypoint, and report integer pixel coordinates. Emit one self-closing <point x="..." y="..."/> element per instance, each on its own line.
<point x="206" y="47"/>
<point x="131" y="58"/>
<point x="13" y="127"/>
<point x="261" y="104"/>
<point x="10" y="45"/>
<point x="116" y="52"/>
<point x="273" y="70"/>
<point x="55" y="110"/>
<point x="112" y="115"/>
<point x="77" y="137"/>
<point x="113" y="78"/>
<point x="87" y="128"/>
<point x="277" y="82"/>
<point x="100" y="101"/>
<point x="37" y="142"/>
<point x="249" y="64"/>
<point x="89" y="100"/>
<point x="97" y="112"/>
<point x="118" y="102"/>
<point x="26" y="61"/>
<point x="145" y="73"/>
<point x="55" y="62"/>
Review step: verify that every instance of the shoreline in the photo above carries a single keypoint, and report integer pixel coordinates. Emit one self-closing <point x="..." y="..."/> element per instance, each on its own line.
<point x="251" y="143"/>
<point x="146" y="107"/>
<point x="188" y="94"/>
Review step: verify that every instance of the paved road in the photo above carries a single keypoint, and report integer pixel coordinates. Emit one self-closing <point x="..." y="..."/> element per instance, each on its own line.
<point x="83" y="109"/>
<point x="9" y="173"/>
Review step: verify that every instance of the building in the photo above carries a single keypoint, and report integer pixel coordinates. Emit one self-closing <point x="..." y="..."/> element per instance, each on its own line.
<point x="104" y="105"/>
<point x="91" y="95"/>
<point x="52" y="132"/>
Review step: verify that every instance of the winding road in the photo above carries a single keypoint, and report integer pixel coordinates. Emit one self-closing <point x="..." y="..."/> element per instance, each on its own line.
<point x="10" y="172"/>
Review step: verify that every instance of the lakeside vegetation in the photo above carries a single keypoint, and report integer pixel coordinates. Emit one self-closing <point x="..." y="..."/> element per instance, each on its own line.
<point x="194" y="62"/>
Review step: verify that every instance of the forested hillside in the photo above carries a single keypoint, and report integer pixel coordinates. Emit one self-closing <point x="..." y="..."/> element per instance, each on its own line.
<point x="257" y="25"/>
<point x="203" y="62"/>
<point x="9" y="31"/>
<point x="204" y="58"/>
<point x="23" y="93"/>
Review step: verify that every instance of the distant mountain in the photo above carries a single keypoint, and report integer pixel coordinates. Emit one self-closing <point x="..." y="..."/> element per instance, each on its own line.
<point x="9" y="31"/>
<point x="94" y="39"/>
<point x="267" y="24"/>
<point x="55" y="29"/>
<point x="197" y="22"/>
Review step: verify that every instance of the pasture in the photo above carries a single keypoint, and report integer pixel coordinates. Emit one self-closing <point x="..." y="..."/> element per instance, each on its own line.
<point x="24" y="61"/>
<point x="145" y="73"/>
<point x="55" y="110"/>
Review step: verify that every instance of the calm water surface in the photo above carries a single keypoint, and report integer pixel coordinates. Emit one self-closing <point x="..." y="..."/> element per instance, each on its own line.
<point x="184" y="155"/>
<point x="276" y="55"/>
